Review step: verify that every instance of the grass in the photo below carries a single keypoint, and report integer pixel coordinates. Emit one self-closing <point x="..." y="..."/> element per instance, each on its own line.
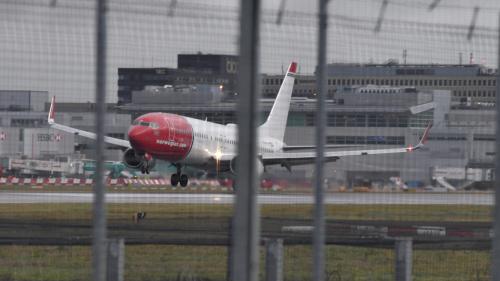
<point x="83" y="212"/>
<point x="170" y="262"/>
<point x="179" y="262"/>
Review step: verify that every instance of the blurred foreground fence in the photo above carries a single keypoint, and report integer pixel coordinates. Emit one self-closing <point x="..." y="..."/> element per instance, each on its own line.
<point x="348" y="52"/>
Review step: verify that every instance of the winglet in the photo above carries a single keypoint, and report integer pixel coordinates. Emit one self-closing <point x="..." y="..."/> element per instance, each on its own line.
<point x="423" y="139"/>
<point x="52" y="111"/>
<point x="292" y="69"/>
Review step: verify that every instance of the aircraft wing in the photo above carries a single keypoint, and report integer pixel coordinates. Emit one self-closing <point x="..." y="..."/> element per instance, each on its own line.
<point x="288" y="159"/>
<point x="85" y="134"/>
<point x="330" y="146"/>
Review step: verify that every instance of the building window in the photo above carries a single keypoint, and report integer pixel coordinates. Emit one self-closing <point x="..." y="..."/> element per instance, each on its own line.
<point x="27" y="122"/>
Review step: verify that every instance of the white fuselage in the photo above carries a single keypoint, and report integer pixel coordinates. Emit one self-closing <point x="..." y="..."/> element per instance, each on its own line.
<point x="212" y="140"/>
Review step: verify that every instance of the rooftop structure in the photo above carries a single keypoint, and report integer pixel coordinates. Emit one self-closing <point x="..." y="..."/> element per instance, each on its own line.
<point x="471" y="85"/>
<point x="208" y="69"/>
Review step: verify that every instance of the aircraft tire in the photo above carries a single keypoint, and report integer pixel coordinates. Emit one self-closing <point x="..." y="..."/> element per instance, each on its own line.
<point x="183" y="180"/>
<point x="174" y="179"/>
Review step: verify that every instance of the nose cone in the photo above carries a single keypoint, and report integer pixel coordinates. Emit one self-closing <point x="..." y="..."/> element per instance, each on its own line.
<point x="137" y="136"/>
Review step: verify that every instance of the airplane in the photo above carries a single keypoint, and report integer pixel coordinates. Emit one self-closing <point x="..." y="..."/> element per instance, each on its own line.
<point x="185" y="141"/>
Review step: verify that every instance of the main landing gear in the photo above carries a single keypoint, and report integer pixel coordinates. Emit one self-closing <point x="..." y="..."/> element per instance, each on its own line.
<point x="179" y="178"/>
<point x="145" y="170"/>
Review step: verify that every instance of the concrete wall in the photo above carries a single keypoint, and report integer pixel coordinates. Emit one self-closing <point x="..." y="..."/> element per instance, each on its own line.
<point x="9" y="142"/>
<point x="40" y="142"/>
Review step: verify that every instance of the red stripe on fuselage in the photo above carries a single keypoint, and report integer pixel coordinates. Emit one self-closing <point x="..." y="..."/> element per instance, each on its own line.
<point x="170" y="138"/>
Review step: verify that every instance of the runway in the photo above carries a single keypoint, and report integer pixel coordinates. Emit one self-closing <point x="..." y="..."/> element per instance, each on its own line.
<point x="278" y="199"/>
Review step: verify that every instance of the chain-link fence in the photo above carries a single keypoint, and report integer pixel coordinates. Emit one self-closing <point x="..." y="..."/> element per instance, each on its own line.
<point x="174" y="69"/>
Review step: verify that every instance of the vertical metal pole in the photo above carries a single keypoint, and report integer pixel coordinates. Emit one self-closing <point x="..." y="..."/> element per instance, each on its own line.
<point x="274" y="259"/>
<point x="246" y="227"/>
<point x="495" y="260"/>
<point x="403" y="249"/>
<point x="115" y="259"/>
<point x="319" y="212"/>
<point x="229" y="271"/>
<point x="99" y="210"/>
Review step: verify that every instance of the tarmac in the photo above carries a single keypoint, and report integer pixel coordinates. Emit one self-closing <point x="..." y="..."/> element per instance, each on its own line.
<point x="485" y="199"/>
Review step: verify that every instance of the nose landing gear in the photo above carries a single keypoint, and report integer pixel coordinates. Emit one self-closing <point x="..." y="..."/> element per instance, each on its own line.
<point x="179" y="178"/>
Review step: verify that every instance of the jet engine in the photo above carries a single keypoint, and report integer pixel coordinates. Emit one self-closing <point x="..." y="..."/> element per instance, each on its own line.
<point x="232" y="166"/>
<point x="138" y="161"/>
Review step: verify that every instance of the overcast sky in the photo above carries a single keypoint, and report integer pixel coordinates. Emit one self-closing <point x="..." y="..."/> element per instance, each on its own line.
<point x="51" y="48"/>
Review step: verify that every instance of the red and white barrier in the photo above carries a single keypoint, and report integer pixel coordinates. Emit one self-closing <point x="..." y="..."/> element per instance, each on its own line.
<point x="212" y="185"/>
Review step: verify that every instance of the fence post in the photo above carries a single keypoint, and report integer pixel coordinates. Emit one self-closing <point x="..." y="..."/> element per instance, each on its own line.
<point x="99" y="206"/>
<point x="246" y="226"/>
<point x="319" y="185"/>
<point x="274" y="259"/>
<point x="115" y="259"/>
<point x="495" y="251"/>
<point x="403" y="249"/>
<point x="229" y="271"/>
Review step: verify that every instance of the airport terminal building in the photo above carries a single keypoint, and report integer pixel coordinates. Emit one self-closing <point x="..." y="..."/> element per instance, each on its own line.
<point x="25" y="135"/>
<point x="207" y="69"/>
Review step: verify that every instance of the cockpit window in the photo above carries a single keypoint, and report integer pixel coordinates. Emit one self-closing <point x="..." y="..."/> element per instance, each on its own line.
<point x="145" y="124"/>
